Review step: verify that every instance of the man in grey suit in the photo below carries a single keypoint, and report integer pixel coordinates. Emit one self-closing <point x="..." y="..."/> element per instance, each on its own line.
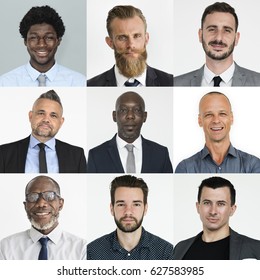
<point x="128" y="37"/>
<point x="215" y="204"/>
<point x="218" y="35"/>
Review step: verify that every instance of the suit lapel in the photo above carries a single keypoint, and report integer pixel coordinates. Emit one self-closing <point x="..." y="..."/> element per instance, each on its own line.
<point x="151" y="77"/>
<point x="113" y="152"/>
<point x="197" y="77"/>
<point x="239" y="78"/>
<point x="111" y="78"/>
<point x="23" y="146"/>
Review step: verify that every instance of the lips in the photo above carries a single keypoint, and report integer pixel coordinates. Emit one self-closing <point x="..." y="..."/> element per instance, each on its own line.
<point x="41" y="53"/>
<point x="217" y="128"/>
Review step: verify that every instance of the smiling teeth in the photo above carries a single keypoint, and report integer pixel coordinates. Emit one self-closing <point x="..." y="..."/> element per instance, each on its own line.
<point x="41" y="214"/>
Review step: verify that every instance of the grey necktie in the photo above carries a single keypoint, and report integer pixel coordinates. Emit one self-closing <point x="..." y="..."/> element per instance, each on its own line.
<point x="217" y="81"/>
<point x="43" y="255"/>
<point x="130" y="161"/>
<point x="42" y="80"/>
<point x="135" y="83"/>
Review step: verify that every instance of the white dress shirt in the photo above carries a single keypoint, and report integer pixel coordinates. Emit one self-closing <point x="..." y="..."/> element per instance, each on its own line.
<point x="227" y="76"/>
<point x="120" y="79"/>
<point x="25" y="246"/>
<point x="137" y="152"/>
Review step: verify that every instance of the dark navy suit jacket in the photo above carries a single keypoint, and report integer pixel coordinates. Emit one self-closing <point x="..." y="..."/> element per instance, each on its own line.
<point x="154" y="78"/>
<point x="105" y="158"/>
<point x="13" y="157"/>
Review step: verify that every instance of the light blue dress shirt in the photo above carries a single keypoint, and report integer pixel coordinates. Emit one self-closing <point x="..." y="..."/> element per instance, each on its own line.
<point x="32" y="159"/>
<point x="57" y="76"/>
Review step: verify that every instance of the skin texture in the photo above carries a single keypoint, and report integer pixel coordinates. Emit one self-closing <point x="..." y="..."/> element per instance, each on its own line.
<point x="46" y="119"/>
<point x="129" y="115"/>
<point x="43" y="214"/>
<point x="129" y="40"/>
<point x="219" y="37"/>
<point x="42" y="44"/>
<point x="215" y="209"/>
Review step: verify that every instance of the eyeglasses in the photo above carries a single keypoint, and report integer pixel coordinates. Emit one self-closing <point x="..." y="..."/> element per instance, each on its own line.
<point x="48" y="196"/>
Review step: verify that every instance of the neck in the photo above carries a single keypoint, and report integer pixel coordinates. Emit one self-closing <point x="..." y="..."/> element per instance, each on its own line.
<point x="129" y="240"/>
<point x="42" y="139"/>
<point x="215" y="235"/>
<point x="219" y="66"/>
<point x="218" y="150"/>
<point x="42" y="68"/>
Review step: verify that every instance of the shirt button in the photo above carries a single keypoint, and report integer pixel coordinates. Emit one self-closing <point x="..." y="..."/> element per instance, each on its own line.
<point x="128" y="254"/>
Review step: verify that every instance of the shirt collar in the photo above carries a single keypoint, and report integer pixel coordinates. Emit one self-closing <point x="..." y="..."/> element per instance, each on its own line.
<point x="120" y="79"/>
<point x="231" y="151"/>
<point x="34" y="74"/>
<point x="226" y="76"/>
<point x="143" y="243"/>
<point x="54" y="235"/>
<point x="121" y="143"/>
<point x="34" y="142"/>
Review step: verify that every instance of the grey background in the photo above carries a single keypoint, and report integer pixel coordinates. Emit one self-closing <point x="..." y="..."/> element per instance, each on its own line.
<point x="72" y="50"/>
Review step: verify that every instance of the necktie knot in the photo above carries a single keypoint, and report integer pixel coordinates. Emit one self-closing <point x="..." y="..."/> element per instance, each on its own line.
<point x="135" y="83"/>
<point x="217" y="81"/>
<point x="129" y="147"/>
<point x="43" y="255"/>
<point x="42" y="80"/>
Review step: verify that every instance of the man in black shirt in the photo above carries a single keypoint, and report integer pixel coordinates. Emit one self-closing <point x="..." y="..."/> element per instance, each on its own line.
<point x="130" y="241"/>
<point x="217" y="241"/>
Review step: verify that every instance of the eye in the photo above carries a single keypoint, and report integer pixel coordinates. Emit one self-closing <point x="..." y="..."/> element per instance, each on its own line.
<point x="54" y="116"/>
<point x="138" y="35"/>
<point x="122" y="38"/>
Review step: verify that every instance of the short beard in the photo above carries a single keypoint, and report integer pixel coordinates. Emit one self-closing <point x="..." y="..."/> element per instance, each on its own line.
<point x="214" y="56"/>
<point x="131" y="67"/>
<point x="52" y="222"/>
<point x="128" y="228"/>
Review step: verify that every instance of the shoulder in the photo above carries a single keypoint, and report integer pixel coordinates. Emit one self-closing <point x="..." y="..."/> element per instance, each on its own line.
<point x="69" y="147"/>
<point x="164" y="78"/>
<point x="15" y="143"/>
<point x="156" y="240"/>
<point x="246" y="71"/>
<point x="73" y="78"/>
<point x="16" y="237"/>
<point x="184" y="79"/>
<point x="102" y="146"/>
<point x="188" y="165"/>
<point x="153" y="144"/>
<point x="101" y="79"/>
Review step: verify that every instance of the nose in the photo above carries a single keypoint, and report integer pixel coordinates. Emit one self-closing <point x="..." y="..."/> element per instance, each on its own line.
<point x="215" y="118"/>
<point x="219" y="35"/>
<point x="128" y="209"/>
<point x="41" y="202"/>
<point x="130" y="43"/>
<point x="130" y="114"/>
<point x="213" y="209"/>
<point x="41" y="42"/>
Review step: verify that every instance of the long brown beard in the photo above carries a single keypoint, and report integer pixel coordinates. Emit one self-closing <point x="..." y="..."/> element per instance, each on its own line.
<point x="131" y="67"/>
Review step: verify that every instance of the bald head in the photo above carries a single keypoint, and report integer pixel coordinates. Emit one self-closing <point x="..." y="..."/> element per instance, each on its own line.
<point x="130" y="96"/>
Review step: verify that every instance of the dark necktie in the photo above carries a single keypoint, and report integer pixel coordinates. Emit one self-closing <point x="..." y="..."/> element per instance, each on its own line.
<point x="42" y="80"/>
<point x="135" y="83"/>
<point x="130" y="161"/>
<point x="217" y="81"/>
<point x="42" y="159"/>
<point x="43" y="255"/>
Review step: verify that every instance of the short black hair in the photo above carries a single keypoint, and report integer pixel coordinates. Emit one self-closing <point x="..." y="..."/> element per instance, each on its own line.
<point x="43" y="14"/>
<point x="216" y="182"/>
<point x="221" y="7"/>
<point x="128" y="181"/>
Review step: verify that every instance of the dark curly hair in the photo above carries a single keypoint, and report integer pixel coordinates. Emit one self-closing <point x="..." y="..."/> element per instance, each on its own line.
<point x="38" y="15"/>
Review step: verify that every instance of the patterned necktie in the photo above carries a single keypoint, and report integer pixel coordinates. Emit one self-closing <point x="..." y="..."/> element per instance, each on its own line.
<point x="217" y="81"/>
<point x="130" y="161"/>
<point x="135" y="83"/>
<point x="42" y="80"/>
<point x="42" y="159"/>
<point x="43" y="255"/>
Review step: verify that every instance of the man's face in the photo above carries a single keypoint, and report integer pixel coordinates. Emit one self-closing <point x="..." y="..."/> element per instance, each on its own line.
<point x="43" y="214"/>
<point x="218" y="35"/>
<point x="46" y="119"/>
<point x="42" y="44"/>
<point x="216" y="117"/>
<point x="215" y="208"/>
<point x="129" y="40"/>
<point x="129" y="116"/>
<point x="129" y="208"/>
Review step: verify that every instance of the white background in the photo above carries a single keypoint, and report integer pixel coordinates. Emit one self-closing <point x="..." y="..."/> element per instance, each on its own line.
<point x="72" y="51"/>
<point x="189" y="136"/>
<point x="159" y="18"/>
<point x="188" y="53"/>
<point x="158" y="104"/>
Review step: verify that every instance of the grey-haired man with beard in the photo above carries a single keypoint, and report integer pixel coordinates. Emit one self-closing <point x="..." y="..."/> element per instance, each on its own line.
<point x="219" y="36"/>
<point x="128" y="37"/>
<point x="130" y="241"/>
<point x="45" y="240"/>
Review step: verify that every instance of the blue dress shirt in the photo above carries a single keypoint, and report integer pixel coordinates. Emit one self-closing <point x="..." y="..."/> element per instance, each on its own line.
<point x="235" y="161"/>
<point x="57" y="76"/>
<point x="150" y="247"/>
<point x="32" y="159"/>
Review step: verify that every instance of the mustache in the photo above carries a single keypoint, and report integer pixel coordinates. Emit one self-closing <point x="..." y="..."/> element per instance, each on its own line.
<point x="216" y="42"/>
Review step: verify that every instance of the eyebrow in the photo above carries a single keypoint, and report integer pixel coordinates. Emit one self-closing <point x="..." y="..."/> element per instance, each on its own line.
<point x="119" y="201"/>
<point x="215" y="26"/>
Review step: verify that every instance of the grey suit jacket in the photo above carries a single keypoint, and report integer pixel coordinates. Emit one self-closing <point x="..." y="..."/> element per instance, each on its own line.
<point x="241" y="77"/>
<point x="240" y="247"/>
